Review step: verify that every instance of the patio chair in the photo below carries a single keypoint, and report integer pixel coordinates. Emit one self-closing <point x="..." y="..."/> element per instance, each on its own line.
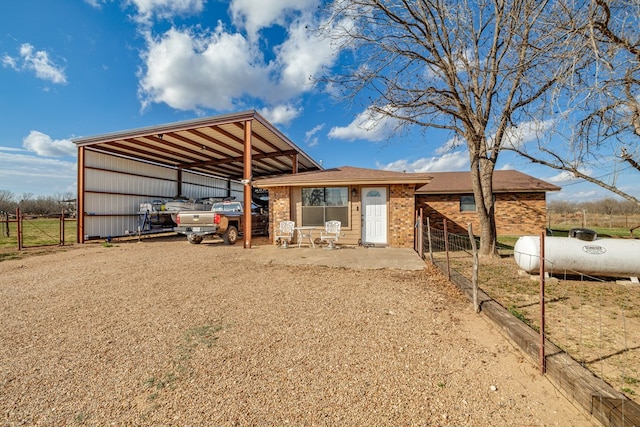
<point x="284" y="233"/>
<point x="331" y="233"/>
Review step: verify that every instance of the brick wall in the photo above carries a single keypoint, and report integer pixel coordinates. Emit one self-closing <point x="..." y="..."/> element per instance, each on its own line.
<point x="279" y="207"/>
<point x="517" y="214"/>
<point x="401" y="216"/>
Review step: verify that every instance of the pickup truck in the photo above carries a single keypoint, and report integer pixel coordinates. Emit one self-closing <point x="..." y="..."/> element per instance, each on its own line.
<point x="225" y="219"/>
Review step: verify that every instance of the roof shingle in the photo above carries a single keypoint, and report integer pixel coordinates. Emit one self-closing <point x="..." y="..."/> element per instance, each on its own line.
<point x="504" y="181"/>
<point x="343" y="175"/>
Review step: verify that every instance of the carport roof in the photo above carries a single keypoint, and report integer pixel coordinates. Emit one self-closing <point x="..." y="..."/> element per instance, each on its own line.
<point x="211" y="145"/>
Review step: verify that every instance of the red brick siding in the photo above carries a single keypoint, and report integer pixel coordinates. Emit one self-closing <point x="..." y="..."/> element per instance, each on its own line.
<point x="517" y="214"/>
<point x="401" y="216"/>
<point x="279" y="207"/>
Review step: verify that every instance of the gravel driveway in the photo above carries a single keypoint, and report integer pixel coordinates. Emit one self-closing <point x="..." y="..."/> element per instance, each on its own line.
<point x="161" y="332"/>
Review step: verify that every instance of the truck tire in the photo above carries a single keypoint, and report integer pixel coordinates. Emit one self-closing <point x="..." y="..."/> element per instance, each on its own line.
<point x="196" y="240"/>
<point x="230" y="237"/>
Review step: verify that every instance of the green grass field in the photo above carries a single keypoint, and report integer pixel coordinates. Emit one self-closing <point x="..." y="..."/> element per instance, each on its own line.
<point x="37" y="232"/>
<point x="563" y="230"/>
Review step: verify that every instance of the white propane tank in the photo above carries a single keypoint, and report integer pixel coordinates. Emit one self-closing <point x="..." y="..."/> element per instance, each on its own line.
<point x="599" y="257"/>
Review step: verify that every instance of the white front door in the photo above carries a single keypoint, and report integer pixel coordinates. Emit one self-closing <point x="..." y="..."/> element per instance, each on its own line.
<point x="374" y="215"/>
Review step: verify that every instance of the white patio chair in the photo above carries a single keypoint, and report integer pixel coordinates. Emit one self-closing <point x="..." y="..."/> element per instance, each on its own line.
<point x="284" y="233"/>
<point x="331" y="233"/>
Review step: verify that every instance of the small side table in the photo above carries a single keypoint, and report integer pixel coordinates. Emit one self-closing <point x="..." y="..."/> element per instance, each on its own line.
<point x="305" y="232"/>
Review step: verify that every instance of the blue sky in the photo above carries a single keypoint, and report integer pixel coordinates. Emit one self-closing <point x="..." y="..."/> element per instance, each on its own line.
<point x="77" y="68"/>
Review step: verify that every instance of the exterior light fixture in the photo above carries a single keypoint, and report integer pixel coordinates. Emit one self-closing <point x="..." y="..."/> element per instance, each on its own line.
<point x="354" y="192"/>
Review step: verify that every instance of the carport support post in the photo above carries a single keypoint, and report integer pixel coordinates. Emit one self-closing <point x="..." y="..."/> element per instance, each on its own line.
<point x="179" y="181"/>
<point x="80" y="197"/>
<point x="247" y="184"/>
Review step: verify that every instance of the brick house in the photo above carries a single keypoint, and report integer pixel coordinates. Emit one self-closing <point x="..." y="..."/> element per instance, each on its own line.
<point x="379" y="207"/>
<point x="520" y="202"/>
<point x="374" y="206"/>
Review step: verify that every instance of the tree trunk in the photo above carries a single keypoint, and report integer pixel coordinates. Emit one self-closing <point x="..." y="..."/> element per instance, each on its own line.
<point x="482" y="179"/>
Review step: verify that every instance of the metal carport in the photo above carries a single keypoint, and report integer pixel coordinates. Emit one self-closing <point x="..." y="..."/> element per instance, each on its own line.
<point x="236" y="147"/>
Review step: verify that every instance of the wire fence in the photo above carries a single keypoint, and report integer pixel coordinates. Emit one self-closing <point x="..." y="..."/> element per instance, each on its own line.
<point x="593" y="319"/>
<point x="24" y="231"/>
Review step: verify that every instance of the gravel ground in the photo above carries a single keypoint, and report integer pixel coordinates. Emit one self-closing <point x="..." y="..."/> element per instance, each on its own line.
<point x="163" y="333"/>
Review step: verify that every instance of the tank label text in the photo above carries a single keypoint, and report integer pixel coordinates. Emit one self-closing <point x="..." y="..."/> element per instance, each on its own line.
<point x="594" y="249"/>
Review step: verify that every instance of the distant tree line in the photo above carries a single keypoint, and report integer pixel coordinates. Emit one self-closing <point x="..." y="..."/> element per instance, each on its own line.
<point x="607" y="206"/>
<point x="37" y="205"/>
<point x="598" y="213"/>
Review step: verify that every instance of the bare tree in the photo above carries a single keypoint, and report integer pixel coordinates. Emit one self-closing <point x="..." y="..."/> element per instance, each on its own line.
<point x="603" y="98"/>
<point x="7" y="201"/>
<point x="475" y="68"/>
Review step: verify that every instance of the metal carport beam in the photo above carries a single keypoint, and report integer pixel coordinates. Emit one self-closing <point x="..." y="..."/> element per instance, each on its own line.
<point x="247" y="184"/>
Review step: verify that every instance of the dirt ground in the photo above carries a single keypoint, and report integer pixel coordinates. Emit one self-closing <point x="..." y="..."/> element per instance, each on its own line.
<point x="161" y="332"/>
<point x="595" y="320"/>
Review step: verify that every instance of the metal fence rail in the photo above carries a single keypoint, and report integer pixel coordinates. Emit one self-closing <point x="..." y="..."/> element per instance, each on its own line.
<point x="585" y="345"/>
<point x="24" y="231"/>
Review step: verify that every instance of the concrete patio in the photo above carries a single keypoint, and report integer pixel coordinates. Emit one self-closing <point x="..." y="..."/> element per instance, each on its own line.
<point x="352" y="257"/>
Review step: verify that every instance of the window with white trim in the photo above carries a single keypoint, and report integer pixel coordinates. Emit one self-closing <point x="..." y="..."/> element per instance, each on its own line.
<point x="322" y="204"/>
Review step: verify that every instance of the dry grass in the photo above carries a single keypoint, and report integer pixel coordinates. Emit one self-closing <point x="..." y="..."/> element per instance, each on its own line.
<point x="595" y="321"/>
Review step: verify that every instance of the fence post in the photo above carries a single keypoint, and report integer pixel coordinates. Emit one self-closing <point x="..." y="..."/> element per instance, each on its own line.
<point x="446" y="248"/>
<point x="416" y="217"/>
<point x="19" y="223"/>
<point x="62" y="228"/>
<point x="474" y="279"/>
<point x="5" y="224"/>
<point x="543" y="364"/>
<point x="429" y="239"/>
<point x="420" y="235"/>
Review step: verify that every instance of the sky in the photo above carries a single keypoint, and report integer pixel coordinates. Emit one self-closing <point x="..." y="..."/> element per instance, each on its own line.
<point x="79" y="68"/>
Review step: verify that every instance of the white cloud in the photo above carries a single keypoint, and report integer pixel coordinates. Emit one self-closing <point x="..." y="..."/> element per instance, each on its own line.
<point x="522" y="134"/>
<point x="252" y="16"/>
<point x="561" y="177"/>
<point x="96" y="3"/>
<point x="310" y="136"/>
<point x="457" y="161"/>
<point x="301" y="56"/>
<point x="36" y="61"/>
<point x="9" y="61"/>
<point x="11" y="149"/>
<point x="164" y="9"/>
<point x="20" y="173"/>
<point x="368" y="125"/>
<point x="450" y="145"/>
<point x="578" y="196"/>
<point x="281" y="114"/>
<point x="188" y="71"/>
<point x="43" y="145"/>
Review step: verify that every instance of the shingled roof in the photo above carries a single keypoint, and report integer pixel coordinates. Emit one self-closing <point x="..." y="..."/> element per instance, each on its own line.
<point x="343" y="175"/>
<point x="504" y="181"/>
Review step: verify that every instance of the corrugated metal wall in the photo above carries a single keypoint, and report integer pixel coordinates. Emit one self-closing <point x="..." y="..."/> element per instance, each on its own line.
<point x="114" y="188"/>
